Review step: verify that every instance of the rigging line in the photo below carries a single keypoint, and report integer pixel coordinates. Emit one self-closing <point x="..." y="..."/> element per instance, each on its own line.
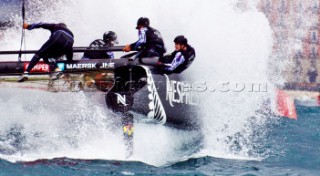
<point x="23" y="31"/>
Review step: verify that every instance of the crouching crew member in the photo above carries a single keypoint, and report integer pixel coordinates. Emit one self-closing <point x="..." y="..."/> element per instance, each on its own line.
<point x="109" y="40"/>
<point x="181" y="58"/>
<point x="60" y="43"/>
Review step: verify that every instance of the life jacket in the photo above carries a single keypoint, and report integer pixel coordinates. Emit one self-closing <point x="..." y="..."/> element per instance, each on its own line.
<point x="189" y="56"/>
<point x="154" y="40"/>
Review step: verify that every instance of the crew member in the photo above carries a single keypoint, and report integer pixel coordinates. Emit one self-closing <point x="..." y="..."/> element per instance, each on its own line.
<point x="60" y="43"/>
<point x="109" y="39"/>
<point x="150" y="43"/>
<point x="181" y="58"/>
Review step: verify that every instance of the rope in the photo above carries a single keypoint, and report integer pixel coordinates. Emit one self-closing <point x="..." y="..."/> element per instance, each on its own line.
<point x="23" y="31"/>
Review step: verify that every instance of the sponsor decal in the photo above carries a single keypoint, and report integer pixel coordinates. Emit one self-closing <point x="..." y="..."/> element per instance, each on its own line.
<point x="40" y="67"/>
<point x="128" y="130"/>
<point x="61" y="66"/>
<point x="89" y="66"/>
<point x="180" y="93"/>
<point x="121" y="99"/>
<point x="157" y="111"/>
<point x="107" y="65"/>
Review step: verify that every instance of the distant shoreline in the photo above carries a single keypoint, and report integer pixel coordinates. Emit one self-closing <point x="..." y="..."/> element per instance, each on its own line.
<point x="298" y="94"/>
<point x="302" y="90"/>
<point x="309" y="87"/>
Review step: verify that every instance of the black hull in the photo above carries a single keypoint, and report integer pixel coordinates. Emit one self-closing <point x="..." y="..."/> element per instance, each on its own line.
<point x="138" y="87"/>
<point x="163" y="98"/>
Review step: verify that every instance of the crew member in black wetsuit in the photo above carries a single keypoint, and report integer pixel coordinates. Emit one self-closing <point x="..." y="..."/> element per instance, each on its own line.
<point x="150" y="43"/>
<point x="109" y="39"/>
<point x="60" y="43"/>
<point x="181" y="58"/>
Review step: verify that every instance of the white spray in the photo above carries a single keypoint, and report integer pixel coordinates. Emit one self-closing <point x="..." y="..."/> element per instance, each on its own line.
<point x="232" y="44"/>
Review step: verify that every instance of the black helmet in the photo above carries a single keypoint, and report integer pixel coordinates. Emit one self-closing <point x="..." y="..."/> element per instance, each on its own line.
<point x="143" y="21"/>
<point x="181" y="40"/>
<point x="110" y="37"/>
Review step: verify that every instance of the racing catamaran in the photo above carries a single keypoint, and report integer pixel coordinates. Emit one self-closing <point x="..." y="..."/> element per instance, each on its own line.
<point x="131" y="86"/>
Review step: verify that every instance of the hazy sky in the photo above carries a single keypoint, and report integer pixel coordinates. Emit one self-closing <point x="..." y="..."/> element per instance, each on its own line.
<point x="7" y="7"/>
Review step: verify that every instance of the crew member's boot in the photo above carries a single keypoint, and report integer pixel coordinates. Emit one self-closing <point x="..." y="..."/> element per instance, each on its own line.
<point x="56" y="74"/>
<point x="23" y="77"/>
<point x="54" y="69"/>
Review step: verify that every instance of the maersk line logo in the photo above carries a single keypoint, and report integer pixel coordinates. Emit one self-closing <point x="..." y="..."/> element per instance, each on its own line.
<point x="61" y="66"/>
<point x="89" y="66"/>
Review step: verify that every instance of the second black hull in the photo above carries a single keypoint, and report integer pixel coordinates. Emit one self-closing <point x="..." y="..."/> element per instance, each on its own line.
<point x="161" y="97"/>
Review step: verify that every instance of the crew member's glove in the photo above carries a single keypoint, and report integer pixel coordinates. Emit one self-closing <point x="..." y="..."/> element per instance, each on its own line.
<point x="127" y="48"/>
<point x="29" y="26"/>
<point x="25" y="26"/>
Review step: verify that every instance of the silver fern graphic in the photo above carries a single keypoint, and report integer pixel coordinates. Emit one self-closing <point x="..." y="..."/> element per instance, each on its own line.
<point x="157" y="111"/>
